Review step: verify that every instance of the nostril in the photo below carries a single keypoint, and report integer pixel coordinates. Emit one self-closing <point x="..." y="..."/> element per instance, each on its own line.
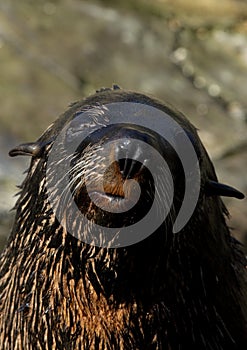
<point x="130" y="156"/>
<point x="129" y="167"/>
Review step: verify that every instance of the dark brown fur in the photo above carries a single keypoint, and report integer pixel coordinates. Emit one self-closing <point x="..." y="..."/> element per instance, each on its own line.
<point x="184" y="291"/>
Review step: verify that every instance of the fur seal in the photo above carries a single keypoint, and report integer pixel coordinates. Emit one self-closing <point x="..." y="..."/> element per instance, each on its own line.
<point x="168" y="291"/>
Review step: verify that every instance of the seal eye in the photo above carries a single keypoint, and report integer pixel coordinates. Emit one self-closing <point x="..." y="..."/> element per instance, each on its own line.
<point x="194" y="142"/>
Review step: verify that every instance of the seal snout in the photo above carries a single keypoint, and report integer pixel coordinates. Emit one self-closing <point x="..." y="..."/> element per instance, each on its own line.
<point x="131" y="157"/>
<point x="115" y="183"/>
<point x="128" y="160"/>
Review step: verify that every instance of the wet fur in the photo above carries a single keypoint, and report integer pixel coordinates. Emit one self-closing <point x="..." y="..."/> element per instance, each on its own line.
<point x="184" y="291"/>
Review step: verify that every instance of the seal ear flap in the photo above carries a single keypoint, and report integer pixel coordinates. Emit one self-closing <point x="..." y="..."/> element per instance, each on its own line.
<point x="33" y="149"/>
<point x="214" y="188"/>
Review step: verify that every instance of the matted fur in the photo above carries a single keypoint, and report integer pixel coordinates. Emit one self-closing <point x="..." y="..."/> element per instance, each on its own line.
<point x="185" y="291"/>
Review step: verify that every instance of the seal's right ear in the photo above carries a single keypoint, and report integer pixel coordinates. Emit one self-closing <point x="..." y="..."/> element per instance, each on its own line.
<point x="33" y="149"/>
<point x="214" y="188"/>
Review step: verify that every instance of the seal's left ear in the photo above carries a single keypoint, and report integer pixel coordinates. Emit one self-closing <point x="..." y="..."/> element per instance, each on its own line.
<point x="214" y="188"/>
<point x="33" y="149"/>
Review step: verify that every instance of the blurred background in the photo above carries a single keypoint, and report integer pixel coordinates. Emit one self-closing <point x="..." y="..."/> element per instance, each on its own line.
<point x="190" y="54"/>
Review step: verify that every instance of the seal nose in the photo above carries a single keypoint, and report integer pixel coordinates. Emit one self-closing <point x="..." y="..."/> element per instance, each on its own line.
<point x="128" y="147"/>
<point x="130" y="157"/>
